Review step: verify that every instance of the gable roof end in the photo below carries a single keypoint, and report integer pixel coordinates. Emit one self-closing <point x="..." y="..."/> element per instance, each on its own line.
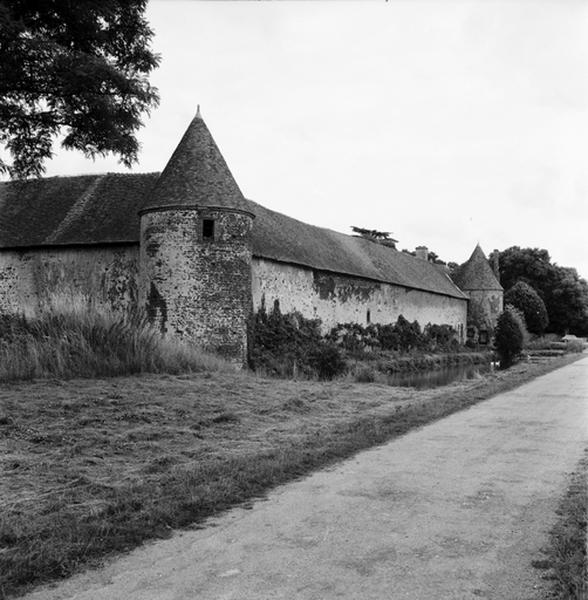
<point x="197" y="174"/>
<point x="476" y="273"/>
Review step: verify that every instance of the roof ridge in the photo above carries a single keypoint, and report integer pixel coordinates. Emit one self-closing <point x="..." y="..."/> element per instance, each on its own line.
<point x="75" y="211"/>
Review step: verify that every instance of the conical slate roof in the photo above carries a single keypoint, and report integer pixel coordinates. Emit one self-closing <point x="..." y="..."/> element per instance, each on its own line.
<point x="197" y="174"/>
<point x="476" y="273"/>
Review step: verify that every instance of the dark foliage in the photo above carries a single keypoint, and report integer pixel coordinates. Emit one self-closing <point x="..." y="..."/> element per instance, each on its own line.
<point x="403" y="337"/>
<point x="441" y="337"/>
<point x="563" y="291"/>
<point x="523" y="297"/>
<point x="355" y="339"/>
<point x="508" y="337"/>
<point x="381" y="237"/>
<point x="79" y="68"/>
<point x="327" y="360"/>
<point x="432" y="257"/>
<point x="288" y="345"/>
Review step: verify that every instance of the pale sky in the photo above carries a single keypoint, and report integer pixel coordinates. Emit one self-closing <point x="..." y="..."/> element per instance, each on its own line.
<point x="444" y="122"/>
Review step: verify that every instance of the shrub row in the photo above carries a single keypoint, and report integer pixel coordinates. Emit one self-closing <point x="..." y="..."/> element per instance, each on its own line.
<point x="403" y="337"/>
<point x="289" y="345"/>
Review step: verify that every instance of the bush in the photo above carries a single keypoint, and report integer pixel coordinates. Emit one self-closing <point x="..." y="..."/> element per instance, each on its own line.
<point x="440" y="338"/>
<point x="288" y="345"/>
<point x="409" y="334"/>
<point x="327" y="361"/>
<point x="355" y="339"/>
<point x="508" y="337"/>
<point x="518" y="315"/>
<point x="574" y="346"/>
<point x="402" y="336"/>
<point x="524" y="298"/>
<point x="364" y="374"/>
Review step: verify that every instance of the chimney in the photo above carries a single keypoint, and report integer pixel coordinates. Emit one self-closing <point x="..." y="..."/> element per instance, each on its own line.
<point x="422" y="252"/>
<point x="495" y="265"/>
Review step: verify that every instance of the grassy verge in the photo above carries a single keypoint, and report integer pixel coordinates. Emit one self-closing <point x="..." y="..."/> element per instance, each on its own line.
<point x="91" y="467"/>
<point x="566" y="553"/>
<point x="71" y="336"/>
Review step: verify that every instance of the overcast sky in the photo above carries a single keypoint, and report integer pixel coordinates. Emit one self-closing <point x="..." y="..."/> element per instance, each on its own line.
<point x="445" y="122"/>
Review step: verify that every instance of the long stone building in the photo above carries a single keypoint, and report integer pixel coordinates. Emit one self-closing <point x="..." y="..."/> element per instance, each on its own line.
<point x="187" y="246"/>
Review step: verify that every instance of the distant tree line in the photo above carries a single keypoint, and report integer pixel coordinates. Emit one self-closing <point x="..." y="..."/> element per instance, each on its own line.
<point x="563" y="292"/>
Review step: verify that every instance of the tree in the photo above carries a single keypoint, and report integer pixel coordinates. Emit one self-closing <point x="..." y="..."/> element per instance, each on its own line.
<point x="432" y="257"/>
<point x="523" y="297"/>
<point x="530" y="265"/>
<point x="564" y="293"/>
<point x="566" y="298"/>
<point x="453" y="267"/>
<point x="74" y="68"/>
<point x="381" y="237"/>
<point x="508" y="337"/>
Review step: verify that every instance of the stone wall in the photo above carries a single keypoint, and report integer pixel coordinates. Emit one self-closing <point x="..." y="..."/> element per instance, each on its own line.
<point x="108" y="274"/>
<point x="343" y="299"/>
<point x="204" y="289"/>
<point x="195" y="286"/>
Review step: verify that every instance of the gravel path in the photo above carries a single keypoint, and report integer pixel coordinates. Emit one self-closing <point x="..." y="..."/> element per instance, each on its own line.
<point x="455" y="510"/>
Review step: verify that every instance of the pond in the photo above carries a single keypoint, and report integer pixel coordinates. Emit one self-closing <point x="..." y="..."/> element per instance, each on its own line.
<point x="438" y="377"/>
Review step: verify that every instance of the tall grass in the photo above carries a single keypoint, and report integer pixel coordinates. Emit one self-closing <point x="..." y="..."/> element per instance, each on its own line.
<point x="70" y="335"/>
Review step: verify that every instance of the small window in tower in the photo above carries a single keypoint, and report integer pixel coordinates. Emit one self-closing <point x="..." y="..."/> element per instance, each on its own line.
<point x="368" y="317"/>
<point x="208" y="229"/>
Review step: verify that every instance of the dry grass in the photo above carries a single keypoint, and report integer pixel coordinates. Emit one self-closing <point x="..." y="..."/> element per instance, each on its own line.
<point x="90" y="467"/>
<point x="70" y="335"/>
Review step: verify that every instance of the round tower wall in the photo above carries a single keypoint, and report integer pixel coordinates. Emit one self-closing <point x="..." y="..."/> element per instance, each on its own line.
<point x="195" y="275"/>
<point x="487" y="302"/>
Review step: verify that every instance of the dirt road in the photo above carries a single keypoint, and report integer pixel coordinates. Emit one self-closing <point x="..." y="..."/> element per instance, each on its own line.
<point x="455" y="510"/>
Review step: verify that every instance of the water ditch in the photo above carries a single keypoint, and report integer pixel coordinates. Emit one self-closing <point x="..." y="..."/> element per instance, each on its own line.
<point x="431" y="378"/>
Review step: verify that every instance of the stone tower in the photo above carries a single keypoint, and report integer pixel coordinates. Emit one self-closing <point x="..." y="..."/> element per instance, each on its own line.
<point x="195" y="257"/>
<point x="477" y="279"/>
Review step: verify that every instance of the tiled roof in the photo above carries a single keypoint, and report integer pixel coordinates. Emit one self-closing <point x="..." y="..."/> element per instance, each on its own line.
<point x="86" y="209"/>
<point x="197" y="173"/>
<point x="282" y="238"/>
<point x="92" y="209"/>
<point x="476" y="273"/>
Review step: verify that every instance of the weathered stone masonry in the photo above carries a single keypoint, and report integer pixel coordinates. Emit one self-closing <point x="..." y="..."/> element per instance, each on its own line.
<point x="186" y="246"/>
<point x="336" y="298"/>
<point x="106" y="274"/>
<point x="196" y="283"/>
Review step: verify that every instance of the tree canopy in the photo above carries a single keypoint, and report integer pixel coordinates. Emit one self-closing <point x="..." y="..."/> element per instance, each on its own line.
<point x="564" y="293"/>
<point x="382" y="237"/>
<point x="78" y="69"/>
<point x="523" y="297"/>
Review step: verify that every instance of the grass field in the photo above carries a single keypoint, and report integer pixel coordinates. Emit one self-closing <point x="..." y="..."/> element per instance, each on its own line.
<point x="91" y="467"/>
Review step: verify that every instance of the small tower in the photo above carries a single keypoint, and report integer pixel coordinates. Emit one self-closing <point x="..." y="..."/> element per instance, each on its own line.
<point x="477" y="279"/>
<point x="195" y="257"/>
